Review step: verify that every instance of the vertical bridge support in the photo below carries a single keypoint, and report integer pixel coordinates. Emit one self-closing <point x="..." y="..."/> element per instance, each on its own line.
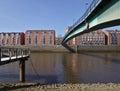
<point x="22" y="70"/>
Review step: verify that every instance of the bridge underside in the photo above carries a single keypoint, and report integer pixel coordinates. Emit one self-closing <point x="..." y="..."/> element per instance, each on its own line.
<point x="105" y="15"/>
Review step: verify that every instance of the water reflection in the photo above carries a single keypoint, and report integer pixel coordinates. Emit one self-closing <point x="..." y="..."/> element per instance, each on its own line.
<point x="66" y="68"/>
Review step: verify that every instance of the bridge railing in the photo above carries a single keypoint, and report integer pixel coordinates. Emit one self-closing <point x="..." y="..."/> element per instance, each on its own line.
<point x="92" y="6"/>
<point x="13" y="52"/>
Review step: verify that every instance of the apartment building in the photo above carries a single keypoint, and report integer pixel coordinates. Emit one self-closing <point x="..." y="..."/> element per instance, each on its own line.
<point x="40" y="37"/>
<point x="93" y="38"/>
<point x="12" y="38"/>
<point x="96" y="38"/>
<point x="112" y="37"/>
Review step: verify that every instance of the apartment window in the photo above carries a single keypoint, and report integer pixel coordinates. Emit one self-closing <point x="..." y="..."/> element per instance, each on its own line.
<point x="101" y="40"/>
<point x="49" y="38"/>
<point x="28" y="38"/>
<point x="43" y="37"/>
<point x="113" y="38"/>
<point x="1" y="39"/>
<point x="35" y="38"/>
<point x="17" y="38"/>
<point x="6" y="40"/>
<point x="88" y="40"/>
<point x="12" y="38"/>
<point x="96" y="40"/>
<point x="83" y="40"/>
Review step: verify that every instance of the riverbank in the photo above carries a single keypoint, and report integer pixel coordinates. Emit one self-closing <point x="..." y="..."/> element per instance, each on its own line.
<point x="59" y="87"/>
<point x="46" y="48"/>
<point x="99" y="48"/>
<point x="79" y="49"/>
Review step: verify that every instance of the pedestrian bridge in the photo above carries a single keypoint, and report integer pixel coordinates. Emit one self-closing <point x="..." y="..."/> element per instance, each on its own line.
<point x="100" y="14"/>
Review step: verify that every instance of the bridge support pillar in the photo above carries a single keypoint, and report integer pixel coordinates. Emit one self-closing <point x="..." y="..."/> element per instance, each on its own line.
<point x="76" y="48"/>
<point x="22" y="71"/>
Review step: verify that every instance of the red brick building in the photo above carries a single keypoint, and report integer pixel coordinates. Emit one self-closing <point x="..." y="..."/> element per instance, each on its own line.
<point x="40" y="37"/>
<point x="12" y="38"/>
<point x="99" y="37"/>
<point x="112" y="37"/>
<point x="92" y="38"/>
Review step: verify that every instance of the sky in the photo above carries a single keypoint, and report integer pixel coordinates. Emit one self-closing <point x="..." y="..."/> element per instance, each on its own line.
<point x="22" y="15"/>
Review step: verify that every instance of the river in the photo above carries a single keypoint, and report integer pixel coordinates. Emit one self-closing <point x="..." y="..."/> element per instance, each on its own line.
<point x="48" y="68"/>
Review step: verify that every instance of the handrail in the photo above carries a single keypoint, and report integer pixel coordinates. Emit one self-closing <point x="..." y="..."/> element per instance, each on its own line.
<point x="16" y="52"/>
<point x="92" y="6"/>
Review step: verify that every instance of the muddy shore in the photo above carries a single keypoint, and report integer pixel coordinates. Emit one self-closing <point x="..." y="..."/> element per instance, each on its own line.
<point x="58" y="87"/>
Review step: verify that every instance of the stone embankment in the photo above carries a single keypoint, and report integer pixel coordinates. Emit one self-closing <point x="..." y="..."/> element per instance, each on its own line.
<point x="59" y="87"/>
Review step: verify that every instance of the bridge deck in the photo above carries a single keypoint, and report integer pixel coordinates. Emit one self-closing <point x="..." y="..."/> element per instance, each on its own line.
<point x="8" y="55"/>
<point x="13" y="58"/>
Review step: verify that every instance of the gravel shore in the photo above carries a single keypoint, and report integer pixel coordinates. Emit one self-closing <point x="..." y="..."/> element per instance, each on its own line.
<point x="59" y="87"/>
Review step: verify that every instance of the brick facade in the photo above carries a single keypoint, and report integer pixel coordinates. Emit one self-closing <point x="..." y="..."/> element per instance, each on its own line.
<point x="47" y="37"/>
<point x="12" y="38"/>
<point x="40" y="37"/>
<point x="92" y="38"/>
<point x="112" y="37"/>
<point x="99" y="37"/>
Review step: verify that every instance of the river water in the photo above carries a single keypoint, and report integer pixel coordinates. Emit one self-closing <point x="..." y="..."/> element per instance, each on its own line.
<point x="50" y="68"/>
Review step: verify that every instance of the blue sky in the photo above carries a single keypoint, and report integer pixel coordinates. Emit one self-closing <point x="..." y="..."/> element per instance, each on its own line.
<point x="22" y="15"/>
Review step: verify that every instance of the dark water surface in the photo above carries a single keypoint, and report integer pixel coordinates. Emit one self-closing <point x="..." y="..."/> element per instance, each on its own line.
<point x="66" y="68"/>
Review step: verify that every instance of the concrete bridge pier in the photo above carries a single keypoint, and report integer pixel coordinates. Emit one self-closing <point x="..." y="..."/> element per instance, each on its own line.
<point x="69" y="48"/>
<point x="22" y="70"/>
<point x="76" y="48"/>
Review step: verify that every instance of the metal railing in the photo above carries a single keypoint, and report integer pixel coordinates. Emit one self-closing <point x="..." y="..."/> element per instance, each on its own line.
<point x="92" y="6"/>
<point x="13" y="52"/>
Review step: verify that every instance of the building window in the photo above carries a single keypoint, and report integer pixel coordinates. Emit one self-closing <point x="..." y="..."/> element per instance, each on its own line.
<point x="12" y="39"/>
<point x="17" y="35"/>
<point x="35" y="38"/>
<point x="6" y="40"/>
<point x="43" y="38"/>
<point x="90" y="40"/>
<point x="113" y="38"/>
<point x="83" y="40"/>
<point x="1" y="39"/>
<point x="101" y="40"/>
<point x="28" y="38"/>
<point x="49" y="38"/>
<point x="96" y="42"/>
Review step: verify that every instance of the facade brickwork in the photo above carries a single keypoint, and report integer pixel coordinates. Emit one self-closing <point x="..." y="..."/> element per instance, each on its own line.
<point x="112" y="37"/>
<point x="12" y="38"/>
<point x="40" y="37"/>
<point x="95" y="38"/>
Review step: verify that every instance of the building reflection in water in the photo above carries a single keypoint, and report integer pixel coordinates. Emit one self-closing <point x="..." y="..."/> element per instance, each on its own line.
<point x="66" y="68"/>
